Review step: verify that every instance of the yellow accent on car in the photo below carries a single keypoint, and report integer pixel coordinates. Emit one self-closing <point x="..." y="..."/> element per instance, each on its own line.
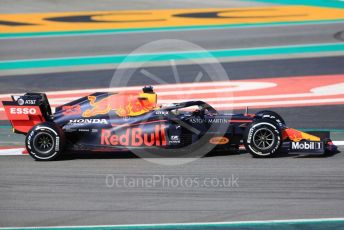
<point x="309" y="137"/>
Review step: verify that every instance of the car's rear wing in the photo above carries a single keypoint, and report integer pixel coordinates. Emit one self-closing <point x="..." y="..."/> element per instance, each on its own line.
<point x="26" y="111"/>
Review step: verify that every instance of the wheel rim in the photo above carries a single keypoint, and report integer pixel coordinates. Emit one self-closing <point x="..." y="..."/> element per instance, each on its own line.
<point x="263" y="139"/>
<point x="44" y="143"/>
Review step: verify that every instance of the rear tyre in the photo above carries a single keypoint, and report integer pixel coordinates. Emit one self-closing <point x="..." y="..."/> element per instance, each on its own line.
<point x="263" y="138"/>
<point x="45" y="142"/>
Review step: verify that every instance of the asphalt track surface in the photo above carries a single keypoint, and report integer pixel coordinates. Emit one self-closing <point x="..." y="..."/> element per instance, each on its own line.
<point x="75" y="191"/>
<point x="235" y="71"/>
<point x="213" y="39"/>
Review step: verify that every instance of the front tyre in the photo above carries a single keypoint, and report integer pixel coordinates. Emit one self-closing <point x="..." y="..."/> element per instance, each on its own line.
<point x="45" y="142"/>
<point x="273" y="116"/>
<point x="263" y="138"/>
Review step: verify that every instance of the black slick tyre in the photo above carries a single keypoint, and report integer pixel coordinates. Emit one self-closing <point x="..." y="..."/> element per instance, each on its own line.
<point x="273" y="116"/>
<point x="45" y="142"/>
<point x="263" y="138"/>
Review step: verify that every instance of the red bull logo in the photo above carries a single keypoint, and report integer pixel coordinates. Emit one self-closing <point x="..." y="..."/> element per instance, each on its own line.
<point x="135" y="137"/>
<point x="122" y="104"/>
<point x="292" y="134"/>
<point x="296" y="135"/>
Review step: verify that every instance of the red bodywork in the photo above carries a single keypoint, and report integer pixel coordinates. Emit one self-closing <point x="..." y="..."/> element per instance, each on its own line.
<point x="23" y="117"/>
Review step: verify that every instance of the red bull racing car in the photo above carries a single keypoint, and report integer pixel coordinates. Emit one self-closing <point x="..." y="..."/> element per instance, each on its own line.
<point x="134" y="121"/>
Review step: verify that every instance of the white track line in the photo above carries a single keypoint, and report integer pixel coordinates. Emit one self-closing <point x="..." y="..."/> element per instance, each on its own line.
<point x="339" y="143"/>
<point x="11" y="152"/>
<point x="157" y="87"/>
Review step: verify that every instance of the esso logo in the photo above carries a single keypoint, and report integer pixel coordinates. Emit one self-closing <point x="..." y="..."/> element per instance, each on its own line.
<point x="26" y="111"/>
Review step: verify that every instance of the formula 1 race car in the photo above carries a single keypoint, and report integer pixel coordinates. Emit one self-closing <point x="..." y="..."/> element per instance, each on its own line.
<point x="133" y="120"/>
